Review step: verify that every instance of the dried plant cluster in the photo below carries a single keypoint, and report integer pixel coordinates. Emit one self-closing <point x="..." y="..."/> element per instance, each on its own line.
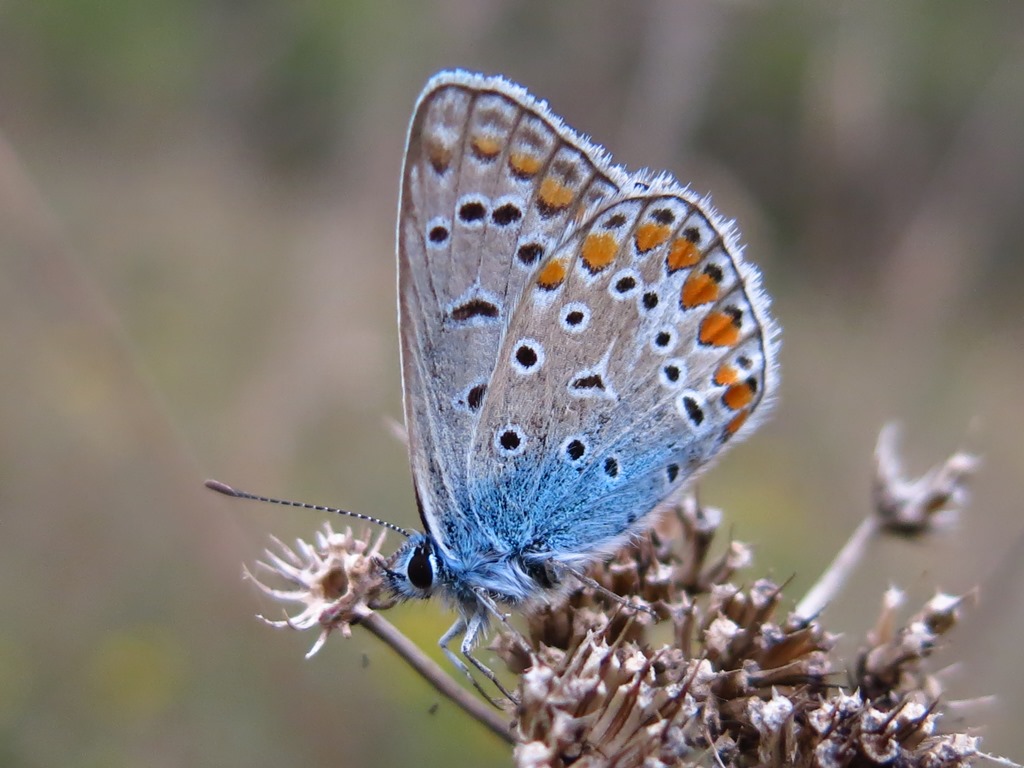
<point x="736" y="677"/>
<point x="703" y="669"/>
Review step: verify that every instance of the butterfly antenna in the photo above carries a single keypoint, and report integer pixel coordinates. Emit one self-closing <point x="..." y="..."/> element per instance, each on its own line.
<point x="227" y="490"/>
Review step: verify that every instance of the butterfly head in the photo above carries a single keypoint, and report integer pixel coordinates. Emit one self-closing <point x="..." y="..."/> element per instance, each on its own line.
<point x="420" y="569"/>
<point x="415" y="570"/>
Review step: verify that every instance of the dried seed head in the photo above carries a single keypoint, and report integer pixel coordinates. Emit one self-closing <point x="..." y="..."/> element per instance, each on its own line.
<point x="915" y="506"/>
<point x="336" y="579"/>
<point x="734" y="679"/>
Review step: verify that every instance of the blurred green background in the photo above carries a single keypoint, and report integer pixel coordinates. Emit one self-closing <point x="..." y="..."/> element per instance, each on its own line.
<point x="197" y="279"/>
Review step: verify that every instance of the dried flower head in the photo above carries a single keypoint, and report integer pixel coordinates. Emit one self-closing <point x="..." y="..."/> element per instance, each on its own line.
<point x="336" y="579"/>
<point x="736" y="683"/>
<point x="913" y="506"/>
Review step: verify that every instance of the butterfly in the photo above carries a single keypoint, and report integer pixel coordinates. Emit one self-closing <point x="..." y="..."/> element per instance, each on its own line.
<point x="577" y="343"/>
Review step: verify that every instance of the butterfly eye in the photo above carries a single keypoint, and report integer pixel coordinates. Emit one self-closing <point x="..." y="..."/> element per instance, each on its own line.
<point x="420" y="571"/>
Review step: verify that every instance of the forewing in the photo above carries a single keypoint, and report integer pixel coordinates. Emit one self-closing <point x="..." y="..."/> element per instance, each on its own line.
<point x="490" y="184"/>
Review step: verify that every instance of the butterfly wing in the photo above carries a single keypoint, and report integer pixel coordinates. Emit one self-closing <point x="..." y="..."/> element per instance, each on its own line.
<point x="490" y="184"/>
<point x="642" y="346"/>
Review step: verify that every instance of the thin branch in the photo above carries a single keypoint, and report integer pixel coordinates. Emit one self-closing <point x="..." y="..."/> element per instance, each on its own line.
<point x="831" y="582"/>
<point x="433" y="674"/>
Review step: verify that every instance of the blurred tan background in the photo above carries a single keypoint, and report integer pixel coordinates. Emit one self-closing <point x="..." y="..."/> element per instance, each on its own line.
<point x="197" y="279"/>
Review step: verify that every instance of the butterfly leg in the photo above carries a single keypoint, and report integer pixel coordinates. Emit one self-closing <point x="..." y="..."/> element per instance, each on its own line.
<point x="476" y="623"/>
<point x="595" y="585"/>
<point x="492" y="607"/>
<point x="468" y="632"/>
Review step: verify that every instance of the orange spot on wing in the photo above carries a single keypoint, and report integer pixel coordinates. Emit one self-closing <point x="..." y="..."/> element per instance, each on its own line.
<point x="681" y="254"/>
<point x="598" y="251"/>
<point x="554" y="194"/>
<point x="719" y="329"/>
<point x="650" y="235"/>
<point x="551" y="275"/>
<point x="698" y="289"/>
<point x="737" y="421"/>
<point x="524" y="164"/>
<point x="439" y="155"/>
<point x="726" y="374"/>
<point x="486" y="146"/>
<point x="738" y="395"/>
